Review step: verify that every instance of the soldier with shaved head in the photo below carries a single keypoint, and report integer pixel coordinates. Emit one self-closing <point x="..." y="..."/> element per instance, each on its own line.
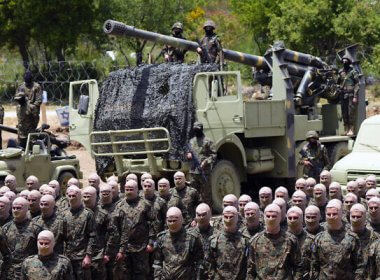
<point x="228" y="251"/>
<point x="179" y="252"/>
<point x="274" y="253"/>
<point x="336" y="252"/>
<point x="184" y="197"/>
<point x="50" y="220"/>
<point x="21" y="237"/>
<point x="78" y="233"/>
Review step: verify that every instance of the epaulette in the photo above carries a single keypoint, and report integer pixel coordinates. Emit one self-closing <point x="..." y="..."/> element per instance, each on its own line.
<point x="64" y="257"/>
<point x="162" y="233"/>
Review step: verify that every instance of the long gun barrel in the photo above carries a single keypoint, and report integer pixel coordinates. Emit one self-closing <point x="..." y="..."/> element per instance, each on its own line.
<point x="8" y="129"/>
<point x="112" y="27"/>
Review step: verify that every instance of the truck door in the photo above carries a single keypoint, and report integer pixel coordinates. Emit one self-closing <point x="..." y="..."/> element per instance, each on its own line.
<point x="82" y="101"/>
<point x="37" y="158"/>
<point x="219" y="102"/>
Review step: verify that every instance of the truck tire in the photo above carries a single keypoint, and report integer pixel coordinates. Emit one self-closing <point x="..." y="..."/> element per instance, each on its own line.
<point x="224" y="180"/>
<point x="338" y="151"/>
<point x="63" y="178"/>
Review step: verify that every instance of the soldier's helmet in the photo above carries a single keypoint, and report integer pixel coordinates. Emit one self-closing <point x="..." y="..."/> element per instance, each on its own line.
<point x="347" y="57"/>
<point x="209" y="23"/>
<point x="312" y="134"/>
<point x="198" y="125"/>
<point x="177" y="25"/>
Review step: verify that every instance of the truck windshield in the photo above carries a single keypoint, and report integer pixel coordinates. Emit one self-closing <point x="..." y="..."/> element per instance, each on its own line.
<point x="368" y="139"/>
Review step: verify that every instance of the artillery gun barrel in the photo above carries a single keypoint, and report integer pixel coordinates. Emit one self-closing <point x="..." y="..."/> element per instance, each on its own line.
<point x="8" y="129"/>
<point x="303" y="58"/>
<point x="112" y="27"/>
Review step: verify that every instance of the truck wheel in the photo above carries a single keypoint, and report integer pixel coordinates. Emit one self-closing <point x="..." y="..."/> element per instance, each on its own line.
<point x="338" y="151"/>
<point x="63" y="178"/>
<point x="224" y="180"/>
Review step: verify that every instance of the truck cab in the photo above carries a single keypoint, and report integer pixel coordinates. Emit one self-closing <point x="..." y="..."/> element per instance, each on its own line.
<point x="365" y="156"/>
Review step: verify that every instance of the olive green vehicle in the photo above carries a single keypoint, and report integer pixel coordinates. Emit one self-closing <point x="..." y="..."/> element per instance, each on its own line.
<point x="40" y="160"/>
<point x="253" y="138"/>
<point x="365" y="156"/>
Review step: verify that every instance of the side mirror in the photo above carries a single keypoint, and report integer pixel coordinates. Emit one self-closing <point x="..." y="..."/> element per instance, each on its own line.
<point x="83" y="104"/>
<point x="350" y="145"/>
<point x="214" y="90"/>
<point x="36" y="150"/>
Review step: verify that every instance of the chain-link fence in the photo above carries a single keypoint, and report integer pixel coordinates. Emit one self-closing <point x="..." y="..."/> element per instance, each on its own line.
<point x="54" y="77"/>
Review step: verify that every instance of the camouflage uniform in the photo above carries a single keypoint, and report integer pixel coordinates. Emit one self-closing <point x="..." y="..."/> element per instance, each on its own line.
<point x="178" y="256"/>
<point x="337" y="255"/>
<point x="348" y="81"/>
<point x="28" y="114"/>
<point x="252" y="231"/>
<point x="202" y="150"/>
<point x="53" y="267"/>
<point x="213" y="46"/>
<point x="131" y="219"/>
<point x="218" y="223"/>
<point x="175" y="54"/>
<point x="227" y="256"/>
<point x="53" y="223"/>
<point x="318" y="156"/>
<point x="79" y="238"/>
<point x="274" y="257"/>
<point x="322" y="209"/>
<point x="21" y="238"/>
<point x="7" y="220"/>
<point x="62" y="204"/>
<point x="204" y="235"/>
<point x="374" y="260"/>
<point x="186" y="199"/>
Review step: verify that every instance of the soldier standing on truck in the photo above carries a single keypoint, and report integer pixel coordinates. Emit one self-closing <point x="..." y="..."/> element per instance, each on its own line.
<point x="349" y="88"/>
<point x="173" y="54"/>
<point x="202" y="156"/>
<point x="29" y="98"/>
<point x="210" y="47"/>
<point x="314" y="156"/>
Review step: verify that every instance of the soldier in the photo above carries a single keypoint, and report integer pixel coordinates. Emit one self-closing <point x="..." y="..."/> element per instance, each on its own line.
<point x="370" y="182"/>
<point x="131" y="217"/>
<point x="358" y="227"/>
<point x="312" y="220"/>
<point x="335" y="191"/>
<point x="370" y="194"/>
<point x="47" y="264"/>
<point x="349" y="200"/>
<point x="164" y="189"/>
<point x="42" y="188"/>
<point x="274" y="254"/>
<point x="300" y="185"/>
<point x="336" y="253"/>
<point x="34" y="203"/>
<point x="79" y="234"/>
<point x="282" y="204"/>
<point x="228" y="252"/>
<point x="320" y="200"/>
<point x="49" y="220"/>
<point x="143" y="177"/>
<point x="210" y="48"/>
<point x="94" y="181"/>
<point x="173" y="54"/>
<point x="184" y="197"/>
<point x="374" y="215"/>
<point x="29" y="98"/>
<point x="3" y="190"/>
<point x="24" y="194"/>
<point x="374" y="260"/>
<point x="265" y="197"/>
<point x="310" y="184"/>
<point x="73" y="182"/>
<point x="102" y="228"/>
<point x="10" y="195"/>
<point x="243" y="200"/>
<point x="32" y="183"/>
<point x="49" y="190"/>
<point x="20" y="236"/>
<point x="11" y="183"/>
<point x="361" y="187"/>
<point x="115" y="191"/>
<point x="348" y="81"/>
<point x="132" y="176"/>
<point x="314" y="155"/>
<point x="282" y="192"/>
<point x="5" y="207"/>
<point x="61" y="201"/>
<point x="299" y="199"/>
<point x="228" y="200"/>
<point x="202" y="156"/>
<point x="325" y="178"/>
<point x="179" y="253"/>
<point x="252" y="220"/>
<point x="352" y="187"/>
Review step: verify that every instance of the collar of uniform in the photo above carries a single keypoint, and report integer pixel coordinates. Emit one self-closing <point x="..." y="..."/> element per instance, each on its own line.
<point x="46" y="258"/>
<point x="76" y="210"/>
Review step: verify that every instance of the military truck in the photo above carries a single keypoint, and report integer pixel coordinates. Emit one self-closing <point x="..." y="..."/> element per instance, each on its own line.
<point x="365" y="156"/>
<point x="253" y="138"/>
<point x="39" y="159"/>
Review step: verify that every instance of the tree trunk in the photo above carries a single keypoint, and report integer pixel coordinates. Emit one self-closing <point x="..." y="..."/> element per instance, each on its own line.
<point x="24" y="53"/>
<point x="59" y="54"/>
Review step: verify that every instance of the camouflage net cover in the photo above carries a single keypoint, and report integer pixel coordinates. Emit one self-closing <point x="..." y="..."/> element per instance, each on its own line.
<point x="144" y="97"/>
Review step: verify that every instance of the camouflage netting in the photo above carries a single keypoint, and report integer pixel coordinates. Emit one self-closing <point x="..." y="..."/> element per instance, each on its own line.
<point x="148" y="96"/>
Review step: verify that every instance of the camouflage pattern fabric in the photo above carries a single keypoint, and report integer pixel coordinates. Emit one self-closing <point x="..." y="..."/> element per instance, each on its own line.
<point x="174" y="54"/>
<point x="178" y="256"/>
<point x="186" y="199"/>
<point x="274" y="257"/>
<point x="53" y="267"/>
<point x="213" y="46"/>
<point x="318" y="156"/>
<point x="53" y="223"/>
<point x="348" y="81"/>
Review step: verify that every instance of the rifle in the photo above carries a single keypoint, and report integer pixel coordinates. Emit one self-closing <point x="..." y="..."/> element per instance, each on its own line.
<point x="205" y="56"/>
<point x="196" y="165"/>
